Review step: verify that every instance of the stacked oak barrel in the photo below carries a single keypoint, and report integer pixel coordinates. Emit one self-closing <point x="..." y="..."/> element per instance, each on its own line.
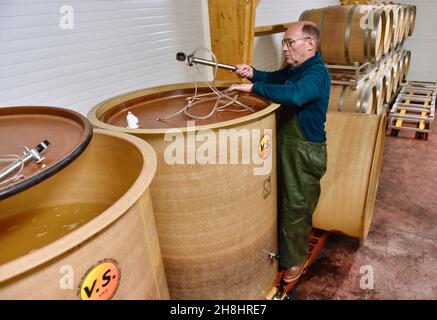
<point x="362" y="44"/>
<point x="356" y="34"/>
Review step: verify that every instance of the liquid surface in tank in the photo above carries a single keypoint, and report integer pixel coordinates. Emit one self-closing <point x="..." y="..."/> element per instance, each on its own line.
<point x="27" y="231"/>
<point x="149" y="108"/>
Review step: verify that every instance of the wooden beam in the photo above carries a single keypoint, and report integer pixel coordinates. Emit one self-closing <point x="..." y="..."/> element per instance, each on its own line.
<point x="232" y="24"/>
<point x="271" y="29"/>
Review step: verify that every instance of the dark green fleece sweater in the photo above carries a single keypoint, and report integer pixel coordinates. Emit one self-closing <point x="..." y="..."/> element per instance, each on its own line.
<point x="305" y="88"/>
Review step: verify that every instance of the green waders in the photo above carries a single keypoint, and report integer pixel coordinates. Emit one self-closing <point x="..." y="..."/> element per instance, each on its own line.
<point x="301" y="165"/>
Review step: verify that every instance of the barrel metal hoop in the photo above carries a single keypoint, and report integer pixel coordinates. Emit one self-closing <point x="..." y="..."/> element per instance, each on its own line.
<point x="402" y="25"/>
<point x="374" y="33"/>
<point x="359" y="103"/>
<point x="387" y="14"/>
<point x="340" y="101"/>
<point x="412" y="16"/>
<point x="407" y="61"/>
<point x="366" y="42"/>
<point x="321" y="21"/>
<point x="394" y="26"/>
<point x="366" y="99"/>
<point x="347" y="32"/>
<point x="387" y="82"/>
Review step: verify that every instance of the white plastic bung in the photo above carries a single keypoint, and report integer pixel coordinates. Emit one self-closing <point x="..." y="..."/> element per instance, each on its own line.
<point x="132" y="121"/>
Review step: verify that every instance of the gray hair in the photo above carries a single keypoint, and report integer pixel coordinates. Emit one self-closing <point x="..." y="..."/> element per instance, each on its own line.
<point x="311" y="30"/>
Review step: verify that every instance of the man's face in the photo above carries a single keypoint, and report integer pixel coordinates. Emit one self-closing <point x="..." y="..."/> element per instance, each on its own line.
<point x="296" y="46"/>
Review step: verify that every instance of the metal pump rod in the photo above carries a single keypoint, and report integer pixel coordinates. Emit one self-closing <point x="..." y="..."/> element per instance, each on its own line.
<point x="191" y="59"/>
<point x="28" y="155"/>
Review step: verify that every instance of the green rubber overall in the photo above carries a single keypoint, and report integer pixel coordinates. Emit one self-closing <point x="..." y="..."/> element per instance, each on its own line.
<point x="301" y="165"/>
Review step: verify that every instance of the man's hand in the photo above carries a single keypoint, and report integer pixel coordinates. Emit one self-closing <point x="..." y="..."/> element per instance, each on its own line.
<point x="244" y="71"/>
<point x="244" y="87"/>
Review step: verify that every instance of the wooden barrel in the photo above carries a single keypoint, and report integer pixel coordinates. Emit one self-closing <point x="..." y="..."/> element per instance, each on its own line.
<point x="412" y="19"/>
<point x="346" y="99"/>
<point x="87" y="232"/>
<point x="387" y="71"/>
<point x="407" y="60"/>
<point x="389" y="29"/>
<point x="401" y="23"/>
<point x="400" y="56"/>
<point x="407" y="25"/>
<point x="397" y="23"/>
<point x="350" y="184"/>
<point x="397" y="70"/>
<point x="380" y="82"/>
<point x="216" y="219"/>
<point x="404" y="23"/>
<point x="387" y="26"/>
<point x="345" y="35"/>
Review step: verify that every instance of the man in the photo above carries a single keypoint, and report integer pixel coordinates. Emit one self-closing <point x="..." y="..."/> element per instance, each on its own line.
<point x="302" y="88"/>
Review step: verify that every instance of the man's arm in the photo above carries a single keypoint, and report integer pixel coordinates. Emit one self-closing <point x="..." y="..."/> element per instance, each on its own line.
<point x="275" y="77"/>
<point x="246" y="71"/>
<point x="307" y="89"/>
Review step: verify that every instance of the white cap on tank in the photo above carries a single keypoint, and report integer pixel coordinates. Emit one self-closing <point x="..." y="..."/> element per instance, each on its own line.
<point x="132" y="121"/>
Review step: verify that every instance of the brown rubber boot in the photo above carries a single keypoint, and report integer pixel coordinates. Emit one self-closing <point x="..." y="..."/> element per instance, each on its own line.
<point x="292" y="274"/>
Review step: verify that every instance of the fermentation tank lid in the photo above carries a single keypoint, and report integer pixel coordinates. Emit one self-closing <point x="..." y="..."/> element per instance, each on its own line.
<point x="40" y="141"/>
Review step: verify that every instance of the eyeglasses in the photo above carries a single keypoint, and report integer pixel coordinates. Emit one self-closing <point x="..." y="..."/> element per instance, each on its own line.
<point x="290" y="42"/>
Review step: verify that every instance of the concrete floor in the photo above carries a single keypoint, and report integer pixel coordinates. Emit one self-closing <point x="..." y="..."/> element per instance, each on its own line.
<point x="401" y="248"/>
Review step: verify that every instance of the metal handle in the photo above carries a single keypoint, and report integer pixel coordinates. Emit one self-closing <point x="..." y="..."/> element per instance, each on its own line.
<point x="191" y="59"/>
<point x="28" y="155"/>
<point x="211" y="63"/>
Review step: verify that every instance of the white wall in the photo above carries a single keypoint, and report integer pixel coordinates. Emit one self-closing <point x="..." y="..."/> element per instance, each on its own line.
<point x="423" y="42"/>
<point x="267" y="49"/>
<point x="115" y="46"/>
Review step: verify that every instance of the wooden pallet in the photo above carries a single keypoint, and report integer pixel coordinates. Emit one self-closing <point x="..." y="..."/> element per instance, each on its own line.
<point x="420" y="85"/>
<point x="414" y="109"/>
